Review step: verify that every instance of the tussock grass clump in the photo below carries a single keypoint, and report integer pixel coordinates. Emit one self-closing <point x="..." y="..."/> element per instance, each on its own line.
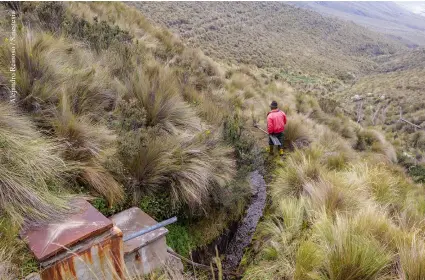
<point x="337" y="153"/>
<point x="297" y="132"/>
<point x="189" y="167"/>
<point x="307" y="260"/>
<point x="385" y="185"/>
<point x="7" y="269"/>
<point x="156" y="91"/>
<point x="350" y="255"/>
<point x="48" y="66"/>
<point x="87" y="144"/>
<point x="299" y="169"/>
<point x="324" y="195"/>
<point x="412" y="259"/>
<point x="372" y="140"/>
<point x="306" y="104"/>
<point x="30" y="171"/>
<point x="34" y="79"/>
<point x="205" y="73"/>
<point x="376" y="223"/>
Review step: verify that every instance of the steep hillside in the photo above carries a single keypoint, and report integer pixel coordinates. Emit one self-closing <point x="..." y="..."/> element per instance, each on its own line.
<point x="397" y="88"/>
<point x="114" y="108"/>
<point x="385" y="17"/>
<point x="272" y="35"/>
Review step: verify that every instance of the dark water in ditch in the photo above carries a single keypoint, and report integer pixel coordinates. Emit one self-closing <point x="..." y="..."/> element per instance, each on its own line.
<point x="239" y="234"/>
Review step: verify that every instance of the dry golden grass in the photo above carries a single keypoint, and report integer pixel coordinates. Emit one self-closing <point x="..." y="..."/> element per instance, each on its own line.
<point x="147" y="115"/>
<point x="31" y="170"/>
<point x="7" y="269"/>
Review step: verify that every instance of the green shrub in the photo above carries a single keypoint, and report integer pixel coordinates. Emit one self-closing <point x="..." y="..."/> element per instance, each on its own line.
<point x="178" y="238"/>
<point x="100" y="36"/>
<point x="158" y="206"/>
<point x="105" y="208"/>
<point x="418" y="173"/>
<point x="51" y="15"/>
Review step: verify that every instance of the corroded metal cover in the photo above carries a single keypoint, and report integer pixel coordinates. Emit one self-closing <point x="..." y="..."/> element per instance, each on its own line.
<point x="99" y="257"/>
<point x="133" y="220"/>
<point x="53" y="238"/>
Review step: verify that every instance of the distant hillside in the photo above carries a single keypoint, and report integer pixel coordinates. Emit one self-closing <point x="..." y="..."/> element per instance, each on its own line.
<point x="272" y="34"/>
<point x="386" y="17"/>
<point x="397" y="87"/>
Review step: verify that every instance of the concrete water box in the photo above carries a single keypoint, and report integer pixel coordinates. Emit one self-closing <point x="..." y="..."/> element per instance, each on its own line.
<point x="146" y="252"/>
<point x="86" y="245"/>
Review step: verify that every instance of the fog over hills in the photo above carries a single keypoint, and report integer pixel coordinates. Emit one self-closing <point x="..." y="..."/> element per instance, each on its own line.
<point x="414" y="7"/>
<point x="386" y="17"/>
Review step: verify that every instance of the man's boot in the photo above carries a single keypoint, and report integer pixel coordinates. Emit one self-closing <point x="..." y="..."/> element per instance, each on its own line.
<point x="280" y="150"/>
<point x="271" y="150"/>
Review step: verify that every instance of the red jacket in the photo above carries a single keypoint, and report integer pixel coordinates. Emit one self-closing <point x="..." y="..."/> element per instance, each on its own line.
<point x="276" y="121"/>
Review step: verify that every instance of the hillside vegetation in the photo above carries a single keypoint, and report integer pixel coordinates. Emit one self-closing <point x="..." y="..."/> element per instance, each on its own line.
<point x="394" y="92"/>
<point x="323" y="56"/>
<point x="272" y="35"/>
<point x="120" y="111"/>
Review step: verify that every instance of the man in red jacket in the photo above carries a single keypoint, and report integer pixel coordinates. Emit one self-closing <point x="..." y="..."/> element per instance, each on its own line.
<point x="276" y="121"/>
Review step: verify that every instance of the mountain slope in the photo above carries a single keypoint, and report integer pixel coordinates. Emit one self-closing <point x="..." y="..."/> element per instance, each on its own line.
<point x="396" y="87"/>
<point x="108" y="103"/>
<point x="385" y="17"/>
<point x="272" y="35"/>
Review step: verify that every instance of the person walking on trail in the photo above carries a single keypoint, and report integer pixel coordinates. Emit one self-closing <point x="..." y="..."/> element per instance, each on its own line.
<point x="276" y="121"/>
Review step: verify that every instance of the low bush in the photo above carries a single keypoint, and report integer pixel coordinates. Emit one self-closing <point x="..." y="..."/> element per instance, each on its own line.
<point x="418" y="173"/>
<point x="158" y="206"/>
<point x="179" y="239"/>
<point x="99" y="35"/>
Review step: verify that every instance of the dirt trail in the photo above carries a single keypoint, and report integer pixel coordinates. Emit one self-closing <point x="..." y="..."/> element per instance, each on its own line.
<point x="246" y="228"/>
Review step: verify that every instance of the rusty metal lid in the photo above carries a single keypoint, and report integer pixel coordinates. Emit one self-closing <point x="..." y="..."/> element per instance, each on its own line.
<point x="48" y="240"/>
<point x="133" y="220"/>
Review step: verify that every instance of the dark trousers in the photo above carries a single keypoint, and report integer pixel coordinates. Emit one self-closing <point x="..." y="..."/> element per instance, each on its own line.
<point x="279" y="136"/>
